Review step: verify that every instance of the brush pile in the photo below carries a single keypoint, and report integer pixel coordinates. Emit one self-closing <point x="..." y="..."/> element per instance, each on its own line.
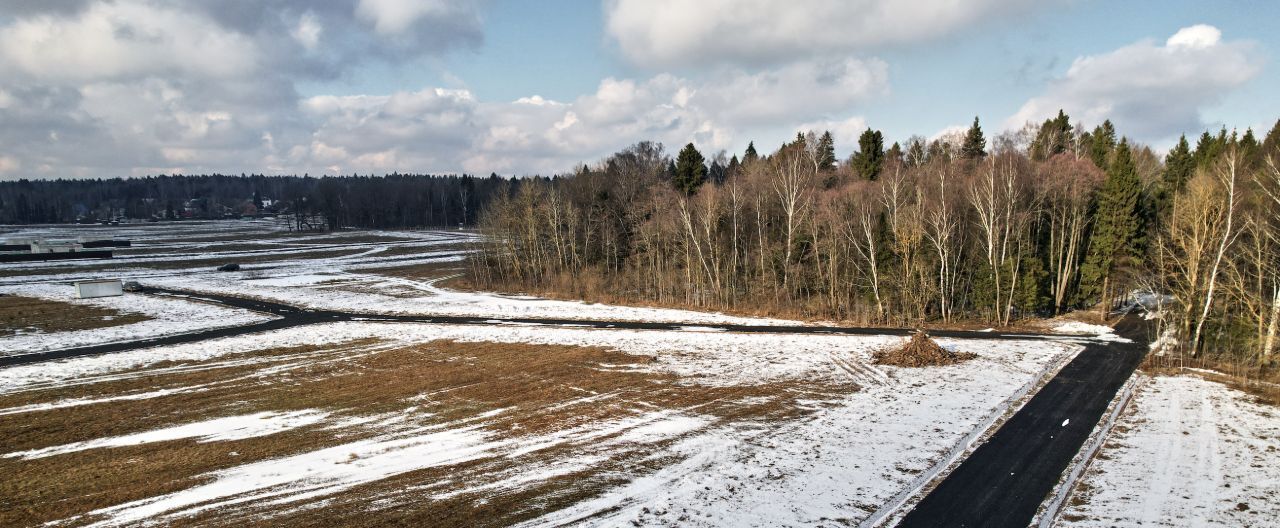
<point x="920" y="351"/>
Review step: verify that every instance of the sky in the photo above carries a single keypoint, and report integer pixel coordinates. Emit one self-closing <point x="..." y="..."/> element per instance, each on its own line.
<point x="106" y="88"/>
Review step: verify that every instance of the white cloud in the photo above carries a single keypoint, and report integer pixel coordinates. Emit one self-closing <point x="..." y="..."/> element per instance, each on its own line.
<point x="844" y="132"/>
<point x="391" y="17"/>
<point x="676" y="33"/>
<point x="1199" y="36"/>
<point x="130" y="87"/>
<point x="122" y="40"/>
<point x="451" y="130"/>
<point x="308" y="30"/>
<point x="9" y="164"/>
<point x="1149" y="91"/>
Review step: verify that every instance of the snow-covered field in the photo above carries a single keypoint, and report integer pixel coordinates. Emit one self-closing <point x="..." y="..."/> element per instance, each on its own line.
<point x="306" y="272"/>
<point x="498" y="424"/>
<point x="850" y="452"/>
<point x="1187" y="452"/>
<point x="165" y="316"/>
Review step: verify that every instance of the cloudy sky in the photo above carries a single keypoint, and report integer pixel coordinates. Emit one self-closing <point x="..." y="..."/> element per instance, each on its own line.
<point x="100" y="88"/>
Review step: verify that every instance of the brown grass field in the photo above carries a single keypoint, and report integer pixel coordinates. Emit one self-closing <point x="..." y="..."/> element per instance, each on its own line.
<point x="29" y="314"/>
<point x="540" y="388"/>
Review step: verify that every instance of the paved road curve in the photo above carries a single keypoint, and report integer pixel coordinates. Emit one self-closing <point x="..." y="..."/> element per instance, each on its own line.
<point x="1004" y="481"/>
<point x="291" y="316"/>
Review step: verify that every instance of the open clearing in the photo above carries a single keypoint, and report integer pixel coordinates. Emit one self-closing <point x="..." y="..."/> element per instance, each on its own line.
<point x="30" y="315"/>
<point x="1187" y="452"/>
<point x="371" y="423"/>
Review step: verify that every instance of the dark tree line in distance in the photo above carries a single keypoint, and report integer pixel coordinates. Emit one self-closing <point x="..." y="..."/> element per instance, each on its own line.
<point x="391" y="201"/>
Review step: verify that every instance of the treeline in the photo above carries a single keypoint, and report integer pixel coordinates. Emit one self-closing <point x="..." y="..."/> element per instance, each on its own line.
<point x="392" y="201"/>
<point x="1045" y="220"/>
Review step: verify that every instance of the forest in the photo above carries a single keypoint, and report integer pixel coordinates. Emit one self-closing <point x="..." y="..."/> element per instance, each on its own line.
<point x="954" y="230"/>
<point x="391" y="201"/>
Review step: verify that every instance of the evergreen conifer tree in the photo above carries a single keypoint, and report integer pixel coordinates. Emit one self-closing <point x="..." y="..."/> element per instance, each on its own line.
<point x="690" y="172"/>
<point x="1053" y="138"/>
<point x="915" y="153"/>
<point x="975" y="144"/>
<point x="1103" y="141"/>
<point x="826" y="152"/>
<point x="1271" y="143"/>
<point x="1115" y="226"/>
<point x="869" y="159"/>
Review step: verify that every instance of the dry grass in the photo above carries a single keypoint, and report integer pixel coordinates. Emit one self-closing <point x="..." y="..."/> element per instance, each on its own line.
<point x="1258" y="381"/>
<point x="543" y="388"/>
<point x="28" y="314"/>
<point x="920" y="351"/>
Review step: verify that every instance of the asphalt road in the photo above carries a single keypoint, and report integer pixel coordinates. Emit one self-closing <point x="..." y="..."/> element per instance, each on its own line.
<point x="290" y="316"/>
<point x="1004" y="481"/>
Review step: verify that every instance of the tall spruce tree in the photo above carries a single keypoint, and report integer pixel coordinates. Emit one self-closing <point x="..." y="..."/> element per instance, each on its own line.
<point x="1053" y="138"/>
<point x="826" y="152"/>
<point x="716" y="173"/>
<point x="894" y="154"/>
<point x="750" y="155"/>
<point x="1250" y="150"/>
<point x="1102" y="142"/>
<point x="1179" y="165"/>
<point x="690" y="171"/>
<point x="1210" y="147"/>
<point x="975" y="144"/>
<point x="1115" y="226"/>
<point x="869" y="159"/>
<point x="732" y="169"/>
<point x="915" y="153"/>
<point x="1271" y="143"/>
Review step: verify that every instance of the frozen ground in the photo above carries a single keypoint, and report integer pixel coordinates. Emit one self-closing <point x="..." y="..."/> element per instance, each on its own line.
<point x="318" y="271"/>
<point x="847" y="453"/>
<point x="1187" y="452"/>
<point x="166" y="316"/>
<point x="559" y="424"/>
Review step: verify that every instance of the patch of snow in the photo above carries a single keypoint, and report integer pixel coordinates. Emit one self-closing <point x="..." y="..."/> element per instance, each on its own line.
<point x="167" y="316"/>
<point x="855" y="453"/>
<point x="1188" y="452"/>
<point x="432" y="299"/>
<point x="215" y="430"/>
<point x="1167" y="340"/>
<point x="309" y="475"/>
<point x="1102" y="332"/>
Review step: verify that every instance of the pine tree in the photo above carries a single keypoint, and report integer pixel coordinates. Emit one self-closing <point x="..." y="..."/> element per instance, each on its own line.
<point x="732" y="169"/>
<point x="869" y="159"/>
<point x="894" y="154"/>
<point x="1103" y="141"/>
<point x="975" y="145"/>
<point x="1250" y="150"/>
<point x="1115" y="226"/>
<point x="750" y="155"/>
<point x="800" y="142"/>
<point x="826" y="152"/>
<point x="690" y="172"/>
<point x="1053" y="138"/>
<point x="716" y="173"/>
<point x="1271" y="143"/>
<point x="915" y="153"/>
<point x="1210" y="147"/>
<point x="1179" y="165"/>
